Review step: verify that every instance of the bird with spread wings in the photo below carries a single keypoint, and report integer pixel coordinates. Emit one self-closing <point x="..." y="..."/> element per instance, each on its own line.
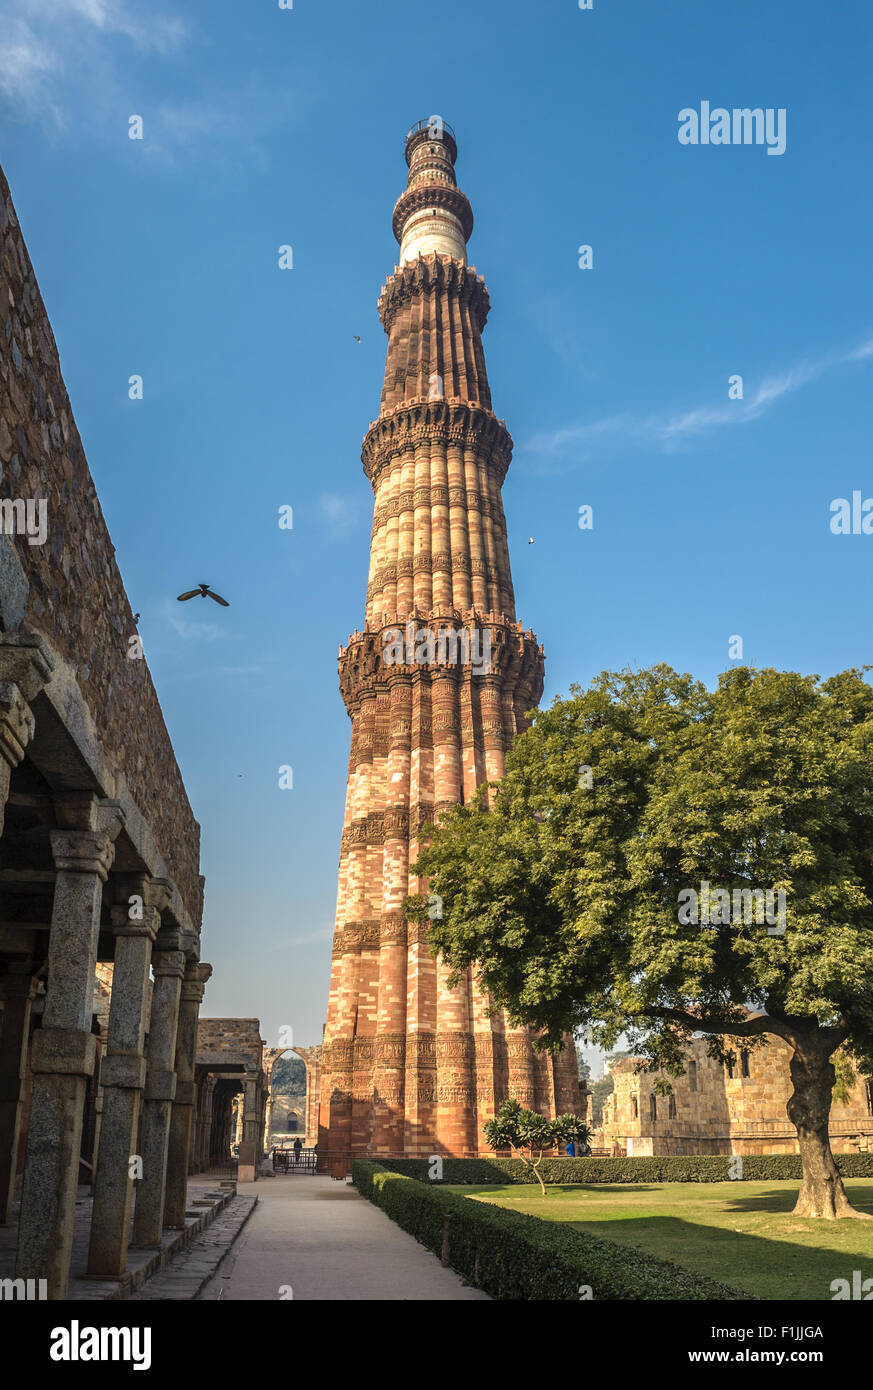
<point x="203" y="591"/>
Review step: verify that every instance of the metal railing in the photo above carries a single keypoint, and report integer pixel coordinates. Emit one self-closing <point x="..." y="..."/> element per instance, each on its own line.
<point x="432" y="123"/>
<point x="285" y="1160"/>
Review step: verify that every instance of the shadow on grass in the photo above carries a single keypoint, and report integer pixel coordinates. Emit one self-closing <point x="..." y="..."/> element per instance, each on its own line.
<point x="771" y="1269"/>
<point x="504" y="1192"/>
<point x="783" y="1199"/>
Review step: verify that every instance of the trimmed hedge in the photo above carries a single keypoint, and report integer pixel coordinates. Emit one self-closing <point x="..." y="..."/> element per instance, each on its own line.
<point x="513" y="1256"/>
<point x="483" y="1172"/>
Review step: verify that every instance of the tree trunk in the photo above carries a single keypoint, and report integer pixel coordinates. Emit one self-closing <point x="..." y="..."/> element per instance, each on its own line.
<point x="821" y="1193"/>
<point x="534" y="1169"/>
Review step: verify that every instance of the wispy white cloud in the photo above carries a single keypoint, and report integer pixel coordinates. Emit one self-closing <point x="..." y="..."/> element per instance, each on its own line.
<point x="772" y="389"/>
<point x="27" y="66"/>
<point x="865" y="350"/>
<point x="155" y="33"/>
<point x="46" y="43"/>
<point x="666" y="431"/>
<point x="190" y="628"/>
<point x="341" y="513"/>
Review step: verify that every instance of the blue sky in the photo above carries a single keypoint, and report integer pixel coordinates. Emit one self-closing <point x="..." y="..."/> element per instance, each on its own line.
<point x="265" y="127"/>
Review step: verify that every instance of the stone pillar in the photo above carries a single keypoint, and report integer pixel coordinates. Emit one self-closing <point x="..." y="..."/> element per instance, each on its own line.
<point x="168" y="967"/>
<point x="268" y="1123"/>
<point x="25" y="666"/>
<point x="251" y="1112"/>
<point x="123" y="1074"/>
<point x="19" y="991"/>
<point x="181" y="1118"/>
<point x="195" y="1163"/>
<point x="251" y="1144"/>
<point x="205" y="1159"/>
<point x="64" y="1048"/>
<point x="262" y="1123"/>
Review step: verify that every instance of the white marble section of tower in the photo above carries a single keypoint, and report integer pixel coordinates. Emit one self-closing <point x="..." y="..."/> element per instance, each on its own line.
<point x="433" y="226"/>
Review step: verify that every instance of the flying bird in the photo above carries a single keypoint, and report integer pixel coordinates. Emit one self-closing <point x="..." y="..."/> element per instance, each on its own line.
<point x="356" y="338"/>
<point x="530" y="540"/>
<point x="203" y="591"/>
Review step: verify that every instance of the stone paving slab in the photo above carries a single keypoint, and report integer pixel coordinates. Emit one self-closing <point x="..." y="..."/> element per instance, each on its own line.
<point x="315" y="1238"/>
<point x="187" y="1272"/>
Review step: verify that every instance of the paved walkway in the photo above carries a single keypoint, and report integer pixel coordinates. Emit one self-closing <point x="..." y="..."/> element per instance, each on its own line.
<point x="315" y="1238"/>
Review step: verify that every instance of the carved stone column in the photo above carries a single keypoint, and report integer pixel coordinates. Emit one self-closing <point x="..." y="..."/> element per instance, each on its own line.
<point x="181" y="1119"/>
<point x="268" y="1123"/>
<point x="19" y="991"/>
<point x="123" y="1074"/>
<point x="251" y="1111"/>
<point x="208" y="1114"/>
<point x="64" y="1048"/>
<point x="168" y="967"/>
<point x="25" y="666"/>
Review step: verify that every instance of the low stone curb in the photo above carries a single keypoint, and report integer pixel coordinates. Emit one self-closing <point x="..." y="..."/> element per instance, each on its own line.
<point x="205" y="1204"/>
<point x="185" y="1271"/>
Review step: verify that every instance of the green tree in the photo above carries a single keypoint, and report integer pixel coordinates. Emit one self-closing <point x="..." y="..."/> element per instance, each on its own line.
<point x="530" y="1134"/>
<point x="572" y="893"/>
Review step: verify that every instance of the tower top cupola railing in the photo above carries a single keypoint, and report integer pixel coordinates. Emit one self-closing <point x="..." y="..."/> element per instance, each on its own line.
<point x="432" y="214"/>
<point x="433" y="128"/>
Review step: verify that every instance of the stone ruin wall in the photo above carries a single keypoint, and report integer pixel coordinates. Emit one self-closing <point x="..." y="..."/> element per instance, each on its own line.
<point x="231" y="1040"/>
<point x="69" y="590"/>
<point x="717" y="1114"/>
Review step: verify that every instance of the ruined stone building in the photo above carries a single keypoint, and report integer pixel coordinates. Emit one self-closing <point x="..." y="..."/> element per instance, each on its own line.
<point x="285" y="1116"/>
<point x="719" y="1109"/>
<point x="232" y="1090"/>
<point x="409" y="1066"/>
<point x="99" y="855"/>
<point x="312" y="1061"/>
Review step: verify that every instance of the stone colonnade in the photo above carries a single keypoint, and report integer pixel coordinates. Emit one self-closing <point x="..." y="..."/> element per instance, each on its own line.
<point x="77" y="889"/>
<point x="99" y="850"/>
<point x="231" y="1088"/>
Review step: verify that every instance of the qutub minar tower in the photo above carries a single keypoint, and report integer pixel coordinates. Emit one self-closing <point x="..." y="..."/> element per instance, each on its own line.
<point x="409" y="1066"/>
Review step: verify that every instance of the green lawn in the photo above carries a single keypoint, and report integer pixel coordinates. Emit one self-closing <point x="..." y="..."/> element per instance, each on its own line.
<point x="742" y="1233"/>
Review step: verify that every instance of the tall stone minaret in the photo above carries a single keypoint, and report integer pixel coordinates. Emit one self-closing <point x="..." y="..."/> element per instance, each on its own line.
<point x="408" y="1065"/>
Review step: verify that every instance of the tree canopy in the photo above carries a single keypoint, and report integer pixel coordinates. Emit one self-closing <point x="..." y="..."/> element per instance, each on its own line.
<point x="661" y="859"/>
